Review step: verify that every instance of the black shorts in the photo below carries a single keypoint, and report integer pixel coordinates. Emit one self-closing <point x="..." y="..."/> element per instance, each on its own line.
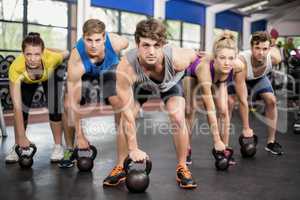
<point x="98" y="88"/>
<point x="142" y="95"/>
<point x="53" y="90"/>
<point x="255" y="87"/>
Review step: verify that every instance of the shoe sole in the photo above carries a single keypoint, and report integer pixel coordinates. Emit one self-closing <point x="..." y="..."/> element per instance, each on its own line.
<point x="55" y="160"/>
<point x="273" y="152"/>
<point x="188" y="162"/>
<point x="65" y="166"/>
<point x="11" y="161"/>
<point x="111" y="185"/>
<point x="185" y="186"/>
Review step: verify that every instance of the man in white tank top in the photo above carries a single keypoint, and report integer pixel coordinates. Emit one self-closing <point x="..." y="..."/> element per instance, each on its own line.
<point x="257" y="64"/>
<point x="153" y="67"/>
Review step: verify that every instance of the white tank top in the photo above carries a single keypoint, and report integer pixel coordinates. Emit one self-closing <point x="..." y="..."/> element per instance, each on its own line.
<point x="247" y="56"/>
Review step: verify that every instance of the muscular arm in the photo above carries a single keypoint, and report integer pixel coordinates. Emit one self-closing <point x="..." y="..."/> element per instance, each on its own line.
<point x="275" y="55"/>
<point x="204" y="79"/>
<point x="182" y="58"/>
<point x="118" y="42"/>
<point x="75" y="71"/>
<point x="15" y="93"/>
<point x="125" y="78"/>
<point x="65" y="53"/>
<point x="241" y="92"/>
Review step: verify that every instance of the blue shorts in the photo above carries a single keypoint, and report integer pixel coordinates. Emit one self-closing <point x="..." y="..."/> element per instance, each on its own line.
<point x="255" y="87"/>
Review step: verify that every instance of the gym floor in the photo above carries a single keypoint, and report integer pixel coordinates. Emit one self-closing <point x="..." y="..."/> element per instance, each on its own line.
<point x="263" y="177"/>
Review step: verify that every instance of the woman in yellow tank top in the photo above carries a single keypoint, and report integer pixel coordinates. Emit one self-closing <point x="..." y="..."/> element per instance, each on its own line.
<point x="34" y="67"/>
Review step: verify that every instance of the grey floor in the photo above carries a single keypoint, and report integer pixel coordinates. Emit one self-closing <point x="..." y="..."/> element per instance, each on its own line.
<point x="264" y="177"/>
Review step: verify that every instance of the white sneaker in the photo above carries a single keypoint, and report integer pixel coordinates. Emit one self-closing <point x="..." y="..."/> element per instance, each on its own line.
<point x="12" y="156"/>
<point x="57" y="153"/>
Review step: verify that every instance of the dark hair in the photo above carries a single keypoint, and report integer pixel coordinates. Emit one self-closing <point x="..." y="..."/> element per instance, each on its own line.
<point x="151" y="28"/>
<point x="260" y="36"/>
<point x="92" y="26"/>
<point x="33" y="39"/>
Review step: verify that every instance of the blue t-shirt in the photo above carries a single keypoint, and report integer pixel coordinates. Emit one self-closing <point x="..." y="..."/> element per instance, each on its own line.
<point x="111" y="58"/>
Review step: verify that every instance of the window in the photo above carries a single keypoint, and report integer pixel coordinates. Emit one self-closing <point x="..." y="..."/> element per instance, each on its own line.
<point x="129" y="22"/>
<point x="191" y="35"/>
<point x="53" y="30"/>
<point x="11" y="10"/>
<point x="125" y="26"/>
<point x="11" y="35"/>
<point x="108" y="16"/>
<point x="296" y="41"/>
<point x="184" y="34"/>
<point x="173" y="31"/>
<point x="52" y="36"/>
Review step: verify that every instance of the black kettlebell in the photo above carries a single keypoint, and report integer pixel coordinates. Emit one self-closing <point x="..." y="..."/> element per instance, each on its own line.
<point x="297" y="127"/>
<point x="85" y="163"/>
<point x="25" y="161"/>
<point x="248" y="146"/>
<point x="222" y="158"/>
<point x="137" y="181"/>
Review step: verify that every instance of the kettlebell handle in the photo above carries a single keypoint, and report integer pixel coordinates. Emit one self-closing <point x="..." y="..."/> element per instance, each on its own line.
<point x="128" y="161"/>
<point x="255" y="139"/>
<point x="91" y="147"/>
<point x="19" y="150"/>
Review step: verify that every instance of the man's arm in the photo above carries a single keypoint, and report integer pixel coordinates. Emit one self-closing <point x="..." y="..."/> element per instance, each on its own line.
<point x="182" y="58"/>
<point x="125" y="93"/>
<point x="118" y="42"/>
<point x="74" y="85"/>
<point x="275" y="55"/>
<point x="65" y="53"/>
<point x="242" y="95"/>
<point x="125" y="80"/>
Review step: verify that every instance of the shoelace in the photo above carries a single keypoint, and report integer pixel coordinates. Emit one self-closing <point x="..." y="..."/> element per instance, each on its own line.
<point x="185" y="172"/>
<point x="116" y="170"/>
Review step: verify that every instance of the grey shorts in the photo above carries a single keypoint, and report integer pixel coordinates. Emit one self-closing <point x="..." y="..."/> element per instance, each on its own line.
<point x="142" y="95"/>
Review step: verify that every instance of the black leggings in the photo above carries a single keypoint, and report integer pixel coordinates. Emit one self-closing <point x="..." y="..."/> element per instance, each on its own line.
<point x="53" y="90"/>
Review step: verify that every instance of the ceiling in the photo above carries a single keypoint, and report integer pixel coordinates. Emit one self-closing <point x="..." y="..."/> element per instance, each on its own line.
<point x="287" y="10"/>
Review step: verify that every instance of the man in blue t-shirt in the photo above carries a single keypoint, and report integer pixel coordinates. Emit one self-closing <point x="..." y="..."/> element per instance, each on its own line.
<point x="93" y="59"/>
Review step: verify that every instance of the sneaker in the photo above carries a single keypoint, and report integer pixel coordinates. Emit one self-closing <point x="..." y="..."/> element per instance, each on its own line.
<point x="12" y="156"/>
<point x="57" y="153"/>
<point x="189" y="157"/>
<point x="116" y="176"/>
<point x="184" y="178"/>
<point x="68" y="160"/>
<point x="275" y="148"/>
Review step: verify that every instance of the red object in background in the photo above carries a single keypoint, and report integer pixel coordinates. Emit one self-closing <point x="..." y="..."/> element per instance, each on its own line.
<point x="274" y="33"/>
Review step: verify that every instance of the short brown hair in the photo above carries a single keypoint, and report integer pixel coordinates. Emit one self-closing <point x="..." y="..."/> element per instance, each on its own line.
<point x="92" y="26"/>
<point x="260" y="36"/>
<point x="151" y="28"/>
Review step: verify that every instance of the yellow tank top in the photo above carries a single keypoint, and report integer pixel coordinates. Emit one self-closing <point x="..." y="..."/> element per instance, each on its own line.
<point x="17" y="70"/>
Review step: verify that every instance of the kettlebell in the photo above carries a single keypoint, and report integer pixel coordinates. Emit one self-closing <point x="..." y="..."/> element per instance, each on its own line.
<point x="25" y="161"/>
<point x="85" y="163"/>
<point x="137" y="181"/>
<point x="248" y="148"/>
<point x="222" y="158"/>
